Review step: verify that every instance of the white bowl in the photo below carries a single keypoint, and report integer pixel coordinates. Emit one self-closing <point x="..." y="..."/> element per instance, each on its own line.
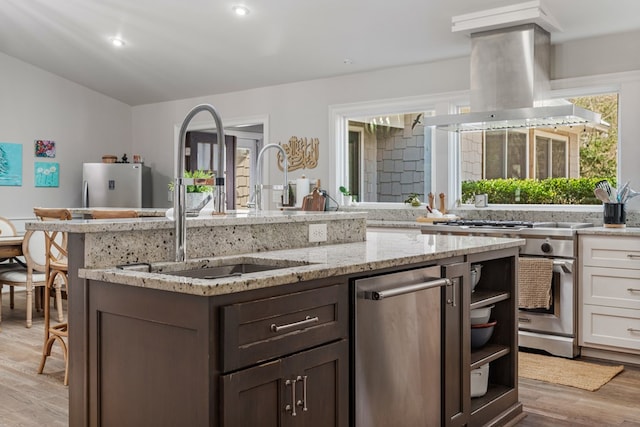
<point x="479" y="380"/>
<point x="476" y="269"/>
<point x="481" y="315"/>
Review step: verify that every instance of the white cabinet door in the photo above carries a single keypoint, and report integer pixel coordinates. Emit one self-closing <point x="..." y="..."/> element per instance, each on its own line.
<point x="613" y="287"/>
<point x="609" y="326"/>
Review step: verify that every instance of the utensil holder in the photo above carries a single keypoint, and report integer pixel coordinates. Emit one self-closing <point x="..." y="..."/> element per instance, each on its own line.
<point x="615" y="215"/>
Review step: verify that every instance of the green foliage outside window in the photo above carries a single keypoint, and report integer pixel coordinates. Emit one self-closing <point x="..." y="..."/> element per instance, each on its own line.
<point x="556" y="191"/>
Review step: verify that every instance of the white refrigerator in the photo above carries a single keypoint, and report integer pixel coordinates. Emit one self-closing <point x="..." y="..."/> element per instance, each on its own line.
<point x="116" y="185"/>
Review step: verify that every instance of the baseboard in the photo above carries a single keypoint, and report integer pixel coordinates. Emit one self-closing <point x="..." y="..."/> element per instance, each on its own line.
<point x="610" y="356"/>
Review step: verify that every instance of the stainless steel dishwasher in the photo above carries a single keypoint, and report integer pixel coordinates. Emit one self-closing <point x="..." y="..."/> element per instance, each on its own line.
<point x="398" y="348"/>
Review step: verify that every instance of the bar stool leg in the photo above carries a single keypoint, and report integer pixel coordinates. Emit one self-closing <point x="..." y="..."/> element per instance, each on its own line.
<point x="29" y="306"/>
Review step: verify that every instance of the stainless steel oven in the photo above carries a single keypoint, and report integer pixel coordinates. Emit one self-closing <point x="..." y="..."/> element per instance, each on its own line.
<point x="553" y="330"/>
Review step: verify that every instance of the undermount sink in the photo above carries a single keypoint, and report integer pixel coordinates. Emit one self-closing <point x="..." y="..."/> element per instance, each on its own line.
<point x="219" y="269"/>
<point x="224" y="271"/>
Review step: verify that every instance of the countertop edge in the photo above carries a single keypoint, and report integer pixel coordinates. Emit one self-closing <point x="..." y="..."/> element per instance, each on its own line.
<point x="330" y="267"/>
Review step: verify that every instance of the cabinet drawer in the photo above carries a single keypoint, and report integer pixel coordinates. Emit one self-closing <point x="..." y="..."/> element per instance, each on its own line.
<point x="609" y="326"/>
<point x="255" y="331"/>
<point x="613" y="287"/>
<point x="606" y="251"/>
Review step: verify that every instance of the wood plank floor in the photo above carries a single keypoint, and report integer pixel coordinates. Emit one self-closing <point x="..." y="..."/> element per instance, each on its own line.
<point x="28" y="399"/>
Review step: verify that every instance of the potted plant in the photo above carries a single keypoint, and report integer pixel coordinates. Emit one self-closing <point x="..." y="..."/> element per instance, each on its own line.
<point x="195" y="194"/>
<point x="413" y="200"/>
<point x="347" y="197"/>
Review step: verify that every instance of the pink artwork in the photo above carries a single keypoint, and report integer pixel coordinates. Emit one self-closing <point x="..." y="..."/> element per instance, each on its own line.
<point x="45" y="148"/>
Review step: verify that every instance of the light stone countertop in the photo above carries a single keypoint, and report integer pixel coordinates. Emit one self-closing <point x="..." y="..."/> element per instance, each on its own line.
<point x="206" y="219"/>
<point x="607" y="231"/>
<point x="380" y="250"/>
<point x="142" y="212"/>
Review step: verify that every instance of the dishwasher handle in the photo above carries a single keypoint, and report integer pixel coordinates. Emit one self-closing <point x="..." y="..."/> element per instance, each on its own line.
<point x="401" y="290"/>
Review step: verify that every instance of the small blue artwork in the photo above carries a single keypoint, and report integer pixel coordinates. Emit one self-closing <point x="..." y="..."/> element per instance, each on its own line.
<point x="10" y="164"/>
<point x="47" y="174"/>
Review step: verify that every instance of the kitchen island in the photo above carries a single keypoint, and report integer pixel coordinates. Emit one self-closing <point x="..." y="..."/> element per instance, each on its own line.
<point x="152" y="345"/>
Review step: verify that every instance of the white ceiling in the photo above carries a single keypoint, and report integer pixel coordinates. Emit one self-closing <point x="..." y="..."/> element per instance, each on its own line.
<point x="185" y="48"/>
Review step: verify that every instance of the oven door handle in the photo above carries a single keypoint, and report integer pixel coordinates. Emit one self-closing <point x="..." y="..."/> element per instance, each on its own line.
<point x="567" y="266"/>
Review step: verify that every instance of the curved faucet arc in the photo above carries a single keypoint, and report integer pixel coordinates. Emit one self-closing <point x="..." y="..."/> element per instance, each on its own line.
<point x="179" y="204"/>
<point x="258" y="189"/>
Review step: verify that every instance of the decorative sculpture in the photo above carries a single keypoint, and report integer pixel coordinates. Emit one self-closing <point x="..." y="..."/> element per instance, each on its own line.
<point x="301" y="153"/>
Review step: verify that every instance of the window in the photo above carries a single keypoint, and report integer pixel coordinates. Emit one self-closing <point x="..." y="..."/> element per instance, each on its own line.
<point x="505" y="154"/>
<point x="388" y="158"/>
<point x="541" y="155"/>
<point x="354" y="159"/>
<point x="551" y="157"/>
<point x="456" y="160"/>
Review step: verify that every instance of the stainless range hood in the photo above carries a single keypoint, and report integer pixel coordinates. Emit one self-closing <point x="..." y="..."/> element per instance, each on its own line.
<point x="510" y="84"/>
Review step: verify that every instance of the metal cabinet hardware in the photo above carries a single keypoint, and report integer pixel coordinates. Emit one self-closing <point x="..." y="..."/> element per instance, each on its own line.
<point x="633" y="330"/>
<point x="291" y="408"/>
<point x="452" y="283"/>
<point x="523" y="320"/>
<point x="307" y="321"/>
<point x="303" y="402"/>
<point x="633" y="290"/>
<point x="401" y="290"/>
<point x="633" y="256"/>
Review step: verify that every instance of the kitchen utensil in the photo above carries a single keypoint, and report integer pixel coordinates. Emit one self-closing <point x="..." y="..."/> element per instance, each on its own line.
<point x="475" y="275"/>
<point x="481" y="200"/>
<point x="443" y="205"/>
<point x="481" y="315"/>
<point x="604" y="184"/>
<point x="601" y="194"/>
<point x="313" y="202"/>
<point x="631" y="194"/>
<point x="480" y="334"/>
<point x="614" y="215"/>
<point x="623" y="192"/>
<point x="479" y="380"/>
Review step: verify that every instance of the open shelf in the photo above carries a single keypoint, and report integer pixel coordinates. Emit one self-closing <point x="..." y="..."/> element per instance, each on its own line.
<point x="494" y="391"/>
<point x="488" y="353"/>
<point x="482" y="298"/>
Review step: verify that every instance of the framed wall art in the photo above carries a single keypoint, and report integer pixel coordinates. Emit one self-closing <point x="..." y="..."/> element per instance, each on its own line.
<point x="10" y="164"/>
<point x="45" y="148"/>
<point x="47" y="174"/>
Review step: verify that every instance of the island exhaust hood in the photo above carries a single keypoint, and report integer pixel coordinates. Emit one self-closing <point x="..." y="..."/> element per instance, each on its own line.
<point x="510" y="84"/>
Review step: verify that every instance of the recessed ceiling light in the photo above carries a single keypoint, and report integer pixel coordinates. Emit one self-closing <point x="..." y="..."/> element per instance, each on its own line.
<point x="240" y="10"/>
<point x="117" y="42"/>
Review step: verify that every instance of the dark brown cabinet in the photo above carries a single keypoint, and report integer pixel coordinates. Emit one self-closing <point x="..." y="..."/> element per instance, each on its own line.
<point x="161" y="358"/>
<point x="307" y="384"/>
<point x="309" y="388"/>
<point x="497" y="287"/>
<point x="456" y="344"/>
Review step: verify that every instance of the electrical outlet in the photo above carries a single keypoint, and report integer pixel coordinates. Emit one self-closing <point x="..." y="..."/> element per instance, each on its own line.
<point x="317" y="233"/>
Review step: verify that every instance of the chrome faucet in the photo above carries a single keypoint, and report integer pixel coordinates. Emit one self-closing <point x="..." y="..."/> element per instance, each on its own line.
<point x="257" y="195"/>
<point x="179" y="204"/>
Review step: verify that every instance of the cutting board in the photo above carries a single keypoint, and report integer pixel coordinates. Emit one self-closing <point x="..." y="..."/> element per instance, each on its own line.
<point x="435" y="219"/>
<point x="313" y="202"/>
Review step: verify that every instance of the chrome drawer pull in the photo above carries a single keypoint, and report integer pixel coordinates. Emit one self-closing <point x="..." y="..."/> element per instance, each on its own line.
<point x="401" y="290"/>
<point x="303" y="402"/>
<point x="633" y="256"/>
<point x="307" y="321"/>
<point x="633" y="290"/>
<point x="632" y="330"/>
<point x="291" y="408"/>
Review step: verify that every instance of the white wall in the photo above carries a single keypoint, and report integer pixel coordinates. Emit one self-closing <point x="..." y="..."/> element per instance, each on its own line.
<point x="84" y="124"/>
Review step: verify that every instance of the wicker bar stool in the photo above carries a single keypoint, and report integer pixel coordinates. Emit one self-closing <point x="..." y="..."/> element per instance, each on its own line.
<point x="57" y="278"/>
